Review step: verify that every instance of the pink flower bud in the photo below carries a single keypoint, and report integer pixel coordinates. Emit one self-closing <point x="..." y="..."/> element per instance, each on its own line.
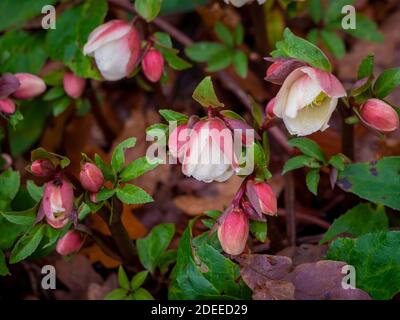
<point x="280" y="69"/>
<point x="93" y="196"/>
<point x="73" y="85"/>
<point x="69" y="243"/>
<point x="58" y="202"/>
<point x="233" y="232"/>
<point x="42" y="168"/>
<point x="91" y="177"/>
<point x="208" y="155"/>
<point x="7" y="106"/>
<point x="31" y="86"/>
<point x="379" y="115"/>
<point x="262" y="197"/>
<point x="8" y="84"/>
<point x="269" y="109"/>
<point x="153" y="65"/>
<point x="115" y="46"/>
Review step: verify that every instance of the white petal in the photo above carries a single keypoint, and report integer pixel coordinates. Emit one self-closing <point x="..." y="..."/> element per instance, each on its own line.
<point x="311" y="119"/>
<point x="225" y="176"/>
<point x="302" y="92"/>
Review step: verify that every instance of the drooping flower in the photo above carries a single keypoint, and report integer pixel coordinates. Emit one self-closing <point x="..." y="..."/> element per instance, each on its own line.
<point x="233" y="232"/>
<point x="115" y="46"/>
<point x="307" y="100"/>
<point x="73" y="85"/>
<point x="261" y="197"/>
<point x="91" y="177"/>
<point x="57" y="203"/>
<point x="206" y="150"/>
<point x="30" y="86"/>
<point x="69" y="243"/>
<point x="379" y="115"/>
<point x="153" y="65"/>
<point x="42" y="168"/>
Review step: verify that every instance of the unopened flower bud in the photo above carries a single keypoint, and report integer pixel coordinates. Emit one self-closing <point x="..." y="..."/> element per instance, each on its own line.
<point x="30" y="86"/>
<point x="93" y="196"/>
<point x="269" y="109"/>
<point x="69" y="243"/>
<point x="91" y="177"/>
<point x="262" y="197"/>
<point x="57" y="203"/>
<point x="8" y="84"/>
<point x="73" y="85"/>
<point x="379" y="115"/>
<point x="115" y="46"/>
<point x="7" y="106"/>
<point x="153" y="65"/>
<point x="233" y="232"/>
<point x="42" y="168"/>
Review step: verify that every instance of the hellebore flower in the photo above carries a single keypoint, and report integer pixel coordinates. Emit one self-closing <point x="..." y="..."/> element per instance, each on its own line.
<point x="233" y="232"/>
<point x="307" y="100"/>
<point x="205" y="151"/>
<point x="57" y="203"/>
<point x="261" y="197"/>
<point x="73" y="85"/>
<point x="42" y="168"/>
<point x="379" y="115"/>
<point x="69" y="243"/>
<point x="153" y="65"/>
<point x="30" y="86"/>
<point x="115" y="46"/>
<point x="91" y="177"/>
<point x="7" y="106"/>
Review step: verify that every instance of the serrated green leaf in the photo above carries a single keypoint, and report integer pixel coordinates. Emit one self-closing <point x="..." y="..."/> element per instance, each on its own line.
<point x="376" y="258"/>
<point x="308" y="147"/>
<point x="300" y="162"/>
<point x="312" y="180"/>
<point x="170" y="115"/>
<point x="138" y="280"/>
<point x="358" y="221"/>
<point x="205" y="94"/>
<point x="296" y="47"/>
<point x="131" y="194"/>
<point x="387" y="81"/>
<point x="118" y="157"/>
<point x="151" y="248"/>
<point x="105" y="194"/>
<point x="138" y="167"/>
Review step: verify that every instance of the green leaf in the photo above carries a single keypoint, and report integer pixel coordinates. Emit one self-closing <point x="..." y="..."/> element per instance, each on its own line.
<point x="118" y="157"/>
<point x="173" y="60"/>
<point x="312" y="36"/>
<point x="21" y="51"/>
<point x="66" y="42"/>
<point x="333" y="11"/>
<point x="163" y="39"/>
<point x="56" y="159"/>
<point x="220" y="60"/>
<point x="240" y="63"/>
<point x="205" y="94"/>
<point x="9" y="233"/>
<point x="259" y="230"/>
<point x="60" y="105"/>
<point x="275" y="25"/>
<point x="224" y="34"/>
<point x="358" y="221"/>
<point x="116" y="294"/>
<point x="54" y="93"/>
<point x="337" y="161"/>
<point x="148" y="9"/>
<point x="202" y="271"/>
<point x="138" y="280"/>
<point x="26" y="217"/>
<point x="107" y="170"/>
<point x="315" y="10"/>
<point x="296" y="47"/>
<point x="365" y="29"/>
<point x="238" y="34"/>
<point x="333" y="43"/>
<point x="27" y="244"/>
<point x="137" y="168"/>
<point x="123" y="278"/>
<point x="312" y="180"/>
<point x="387" y="81"/>
<point x="300" y="162"/>
<point x="178" y="6"/>
<point x="376" y="181"/>
<point x="366" y="67"/>
<point x="376" y="258"/>
<point x="131" y="194"/>
<point x="142" y="294"/>
<point x="308" y="147"/>
<point x="151" y="248"/>
<point x="256" y="112"/>
<point x="203" y="51"/>
<point x="166" y="259"/>
<point x="9" y="186"/>
<point x="3" y="266"/>
<point x="170" y="115"/>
